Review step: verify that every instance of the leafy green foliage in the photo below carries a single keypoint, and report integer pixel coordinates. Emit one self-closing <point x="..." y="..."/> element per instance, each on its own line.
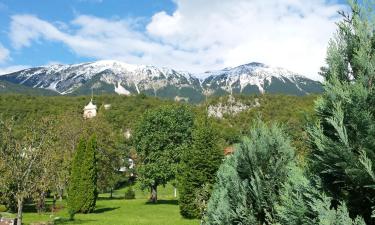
<point x="82" y="188"/>
<point x="3" y="208"/>
<point x="198" y="166"/>
<point x="293" y="112"/>
<point x="343" y="139"/>
<point x="160" y="139"/>
<point x="249" y="181"/>
<point x="22" y="158"/>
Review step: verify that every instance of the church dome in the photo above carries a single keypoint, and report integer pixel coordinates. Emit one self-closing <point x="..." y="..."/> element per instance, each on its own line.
<point x="90" y="106"/>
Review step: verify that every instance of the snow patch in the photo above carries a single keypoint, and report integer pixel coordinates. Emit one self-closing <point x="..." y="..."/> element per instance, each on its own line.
<point x="121" y="90"/>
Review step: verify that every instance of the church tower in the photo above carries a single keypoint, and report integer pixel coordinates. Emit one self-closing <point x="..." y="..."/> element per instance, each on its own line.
<point x="89" y="111"/>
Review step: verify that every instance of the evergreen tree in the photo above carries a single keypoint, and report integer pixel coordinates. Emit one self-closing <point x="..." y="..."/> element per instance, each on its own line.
<point x="199" y="166"/>
<point x="301" y="202"/>
<point x="249" y="181"/>
<point x="82" y="191"/>
<point x="343" y="140"/>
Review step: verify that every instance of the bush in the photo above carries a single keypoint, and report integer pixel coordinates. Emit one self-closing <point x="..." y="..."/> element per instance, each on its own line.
<point x="3" y="208"/>
<point x="129" y="193"/>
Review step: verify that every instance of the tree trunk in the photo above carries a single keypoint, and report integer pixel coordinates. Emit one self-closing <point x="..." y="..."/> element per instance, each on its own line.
<point x="111" y="194"/>
<point x="54" y="203"/>
<point x="154" y="194"/>
<point x="61" y="191"/>
<point x="19" y="211"/>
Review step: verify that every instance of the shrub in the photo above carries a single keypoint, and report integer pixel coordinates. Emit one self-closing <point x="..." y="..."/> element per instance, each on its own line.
<point x="3" y="208"/>
<point x="129" y="193"/>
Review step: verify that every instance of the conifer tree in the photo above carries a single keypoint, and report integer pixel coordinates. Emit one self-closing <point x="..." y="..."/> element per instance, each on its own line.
<point x="249" y="181"/>
<point x="301" y="202"/>
<point x="343" y="140"/>
<point x="199" y="166"/>
<point x="82" y="192"/>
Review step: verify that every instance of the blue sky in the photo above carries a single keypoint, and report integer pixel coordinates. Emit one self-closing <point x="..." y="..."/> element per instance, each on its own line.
<point x="188" y="35"/>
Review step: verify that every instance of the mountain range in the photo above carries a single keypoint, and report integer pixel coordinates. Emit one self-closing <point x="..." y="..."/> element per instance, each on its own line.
<point x="109" y="76"/>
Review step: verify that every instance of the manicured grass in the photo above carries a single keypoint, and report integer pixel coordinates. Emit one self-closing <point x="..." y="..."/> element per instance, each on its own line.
<point x="118" y="211"/>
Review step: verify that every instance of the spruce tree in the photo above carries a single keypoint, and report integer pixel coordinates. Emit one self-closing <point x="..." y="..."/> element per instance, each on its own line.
<point x="249" y="181"/>
<point x="343" y="140"/>
<point x="198" y="167"/>
<point x="82" y="191"/>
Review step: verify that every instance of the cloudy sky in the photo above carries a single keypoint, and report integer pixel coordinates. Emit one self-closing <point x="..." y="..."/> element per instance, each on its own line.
<point x="192" y="35"/>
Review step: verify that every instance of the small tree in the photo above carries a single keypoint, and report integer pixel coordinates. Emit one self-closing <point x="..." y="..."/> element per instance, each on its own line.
<point x="160" y="138"/>
<point x="198" y="167"/>
<point x="249" y="181"/>
<point x="22" y="149"/>
<point x="82" y="192"/>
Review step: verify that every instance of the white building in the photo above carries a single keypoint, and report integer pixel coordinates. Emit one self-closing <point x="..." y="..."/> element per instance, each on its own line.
<point x="89" y="111"/>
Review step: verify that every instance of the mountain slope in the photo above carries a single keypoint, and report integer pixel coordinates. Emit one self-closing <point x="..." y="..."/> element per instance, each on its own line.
<point x="109" y="76"/>
<point x="256" y="78"/>
<point x="11" y="88"/>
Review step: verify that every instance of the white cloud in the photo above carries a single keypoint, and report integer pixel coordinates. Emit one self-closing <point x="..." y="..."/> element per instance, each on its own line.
<point x="4" y="53"/>
<point x="11" y="69"/>
<point x="201" y="35"/>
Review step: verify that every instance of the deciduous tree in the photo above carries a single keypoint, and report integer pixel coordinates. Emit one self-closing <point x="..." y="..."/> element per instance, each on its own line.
<point x="160" y="138"/>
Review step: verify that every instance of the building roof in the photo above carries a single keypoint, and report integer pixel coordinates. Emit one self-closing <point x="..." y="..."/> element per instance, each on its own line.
<point x="229" y="150"/>
<point x="90" y="106"/>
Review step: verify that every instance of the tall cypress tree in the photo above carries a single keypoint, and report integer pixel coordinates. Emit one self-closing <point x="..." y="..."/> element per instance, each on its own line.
<point x="344" y="137"/>
<point x="82" y="191"/>
<point x="199" y="166"/>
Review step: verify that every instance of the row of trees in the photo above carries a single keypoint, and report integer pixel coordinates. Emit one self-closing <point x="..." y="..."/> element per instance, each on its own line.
<point x="263" y="183"/>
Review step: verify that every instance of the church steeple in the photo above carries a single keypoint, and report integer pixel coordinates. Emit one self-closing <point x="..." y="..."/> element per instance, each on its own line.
<point x="89" y="111"/>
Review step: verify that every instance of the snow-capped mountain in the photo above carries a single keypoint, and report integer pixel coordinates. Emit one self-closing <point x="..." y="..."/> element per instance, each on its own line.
<point x="258" y="78"/>
<point x="108" y="76"/>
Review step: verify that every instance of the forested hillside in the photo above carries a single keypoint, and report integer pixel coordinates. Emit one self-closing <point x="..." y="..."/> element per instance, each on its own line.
<point x="125" y="111"/>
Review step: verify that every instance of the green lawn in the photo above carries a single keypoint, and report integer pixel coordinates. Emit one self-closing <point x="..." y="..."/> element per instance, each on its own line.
<point x="119" y="211"/>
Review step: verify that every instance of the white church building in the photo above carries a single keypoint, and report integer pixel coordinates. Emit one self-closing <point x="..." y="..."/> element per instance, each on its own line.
<point x="89" y="111"/>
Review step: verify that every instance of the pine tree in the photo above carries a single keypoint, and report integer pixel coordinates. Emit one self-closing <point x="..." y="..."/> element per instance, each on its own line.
<point x="343" y="140"/>
<point x="82" y="192"/>
<point x="249" y="181"/>
<point x="199" y="166"/>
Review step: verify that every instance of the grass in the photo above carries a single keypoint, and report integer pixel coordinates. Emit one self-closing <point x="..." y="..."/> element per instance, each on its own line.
<point x="118" y="211"/>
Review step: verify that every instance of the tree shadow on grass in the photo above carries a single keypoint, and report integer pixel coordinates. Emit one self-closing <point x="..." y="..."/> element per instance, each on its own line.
<point x="108" y="198"/>
<point x="102" y="210"/>
<point x="163" y="202"/>
<point x="75" y="221"/>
